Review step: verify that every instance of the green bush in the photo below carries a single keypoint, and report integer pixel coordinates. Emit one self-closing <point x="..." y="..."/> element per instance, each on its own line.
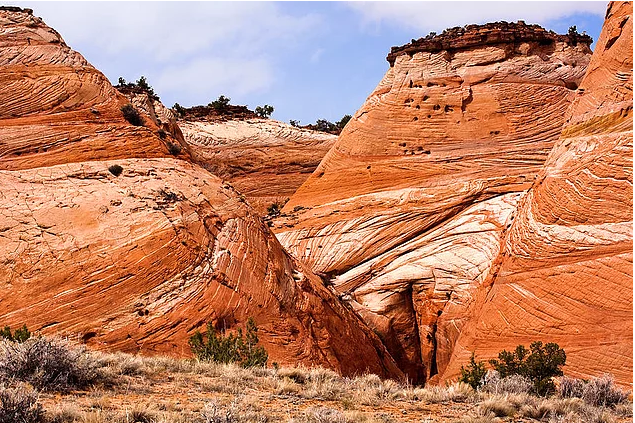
<point x="178" y="110"/>
<point x="173" y="149"/>
<point x="115" y="169"/>
<point x="132" y="115"/>
<point x="232" y="348"/>
<point x="474" y="373"/>
<point x="20" y="334"/>
<point x="264" y="111"/>
<point x="221" y="103"/>
<point x="324" y="125"/>
<point x="540" y="364"/>
<point x="342" y="122"/>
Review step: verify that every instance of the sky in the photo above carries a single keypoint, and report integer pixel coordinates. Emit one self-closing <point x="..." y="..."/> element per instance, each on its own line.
<point x="310" y="60"/>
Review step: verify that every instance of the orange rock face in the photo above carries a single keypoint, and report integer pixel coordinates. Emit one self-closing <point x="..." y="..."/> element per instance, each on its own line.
<point x="406" y="214"/>
<point x="55" y="107"/>
<point x="565" y="273"/>
<point x="137" y="262"/>
<point x="264" y="159"/>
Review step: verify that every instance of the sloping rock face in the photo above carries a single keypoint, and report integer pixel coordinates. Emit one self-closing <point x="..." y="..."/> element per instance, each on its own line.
<point x="264" y="159"/>
<point x="160" y="115"/>
<point x="55" y="107"/>
<point x="137" y="262"/>
<point x="565" y="273"/>
<point x="406" y="213"/>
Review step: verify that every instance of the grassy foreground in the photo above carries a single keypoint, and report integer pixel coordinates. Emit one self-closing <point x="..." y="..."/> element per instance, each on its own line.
<point x="160" y="389"/>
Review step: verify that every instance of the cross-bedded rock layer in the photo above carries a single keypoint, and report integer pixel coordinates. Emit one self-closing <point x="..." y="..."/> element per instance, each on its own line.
<point x="565" y="271"/>
<point x="55" y="107"/>
<point x="406" y="213"/>
<point x="264" y="159"/>
<point x="137" y="262"/>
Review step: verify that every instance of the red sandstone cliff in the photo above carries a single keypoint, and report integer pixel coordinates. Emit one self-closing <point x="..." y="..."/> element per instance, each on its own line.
<point x="137" y="262"/>
<point x="264" y="159"/>
<point x="565" y="272"/>
<point x="406" y="213"/>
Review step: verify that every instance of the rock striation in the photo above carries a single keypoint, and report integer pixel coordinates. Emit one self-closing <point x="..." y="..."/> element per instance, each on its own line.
<point x="264" y="159"/>
<point x="406" y="214"/>
<point x="565" y="273"/>
<point x="55" y="107"/>
<point x="138" y="257"/>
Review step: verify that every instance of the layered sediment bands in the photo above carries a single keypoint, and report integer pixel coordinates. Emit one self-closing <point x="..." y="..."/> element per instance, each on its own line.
<point x="139" y="261"/>
<point x="566" y="269"/>
<point x="406" y="213"/>
<point x="55" y="107"/>
<point x="264" y="159"/>
<point x="160" y="115"/>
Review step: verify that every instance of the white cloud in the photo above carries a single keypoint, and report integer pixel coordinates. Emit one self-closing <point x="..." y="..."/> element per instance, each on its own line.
<point x="227" y="47"/>
<point x="161" y="31"/>
<point x="229" y="76"/>
<point x="437" y="16"/>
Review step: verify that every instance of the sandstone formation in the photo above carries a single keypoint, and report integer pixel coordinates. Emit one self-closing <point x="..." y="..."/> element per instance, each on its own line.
<point x="566" y="271"/>
<point x="406" y="213"/>
<point x="55" y="107"/>
<point x="137" y="261"/>
<point x="264" y="159"/>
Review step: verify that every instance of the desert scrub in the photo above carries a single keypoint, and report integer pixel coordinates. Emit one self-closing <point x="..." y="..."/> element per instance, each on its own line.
<point x="602" y="392"/>
<point x="493" y="383"/>
<point x="132" y="115"/>
<point x="19" y="404"/>
<point x="231" y="348"/>
<point x="115" y="169"/>
<point x="19" y="335"/>
<point x="49" y="364"/>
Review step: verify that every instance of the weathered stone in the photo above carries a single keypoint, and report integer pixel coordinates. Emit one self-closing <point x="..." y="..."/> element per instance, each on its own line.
<point x="406" y="214"/>
<point x="264" y="159"/>
<point x="565" y="274"/>
<point x="138" y="260"/>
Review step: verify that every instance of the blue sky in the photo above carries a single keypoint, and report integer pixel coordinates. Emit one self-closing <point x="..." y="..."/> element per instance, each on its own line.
<point x="310" y="60"/>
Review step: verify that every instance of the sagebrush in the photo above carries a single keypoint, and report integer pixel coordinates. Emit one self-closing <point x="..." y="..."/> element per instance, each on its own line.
<point x="19" y="404"/>
<point x="49" y="364"/>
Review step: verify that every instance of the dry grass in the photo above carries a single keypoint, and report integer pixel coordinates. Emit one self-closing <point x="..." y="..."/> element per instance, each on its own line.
<point x="166" y="390"/>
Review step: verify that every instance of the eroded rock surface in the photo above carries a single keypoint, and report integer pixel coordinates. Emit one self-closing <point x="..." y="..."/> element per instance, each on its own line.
<point x="137" y="262"/>
<point x="55" y="107"/>
<point x="406" y="213"/>
<point x="264" y="159"/>
<point x="565" y="273"/>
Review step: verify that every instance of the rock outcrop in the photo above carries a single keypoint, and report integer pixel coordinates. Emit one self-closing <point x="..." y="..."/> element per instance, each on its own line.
<point x="565" y="274"/>
<point x="55" y="107"/>
<point x="406" y="214"/>
<point x="264" y="159"/>
<point x="137" y="257"/>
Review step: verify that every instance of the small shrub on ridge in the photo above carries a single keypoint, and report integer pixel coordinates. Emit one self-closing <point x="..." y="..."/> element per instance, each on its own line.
<point x="132" y="115"/>
<point x="115" y="169"/>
